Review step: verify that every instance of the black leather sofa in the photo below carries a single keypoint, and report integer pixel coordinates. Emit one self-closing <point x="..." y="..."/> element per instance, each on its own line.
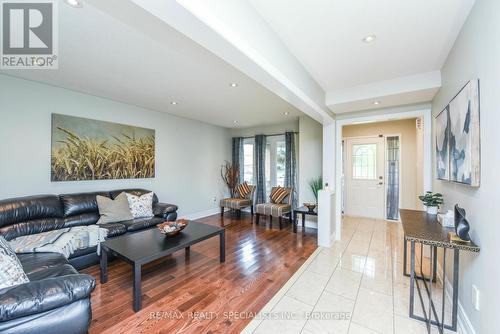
<point x="57" y="298"/>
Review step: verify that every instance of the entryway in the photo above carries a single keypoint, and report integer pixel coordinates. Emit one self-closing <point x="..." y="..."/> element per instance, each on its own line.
<point x="383" y="164"/>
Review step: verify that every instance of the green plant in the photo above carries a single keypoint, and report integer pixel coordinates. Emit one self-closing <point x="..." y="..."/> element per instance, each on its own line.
<point x="230" y="174"/>
<point x="316" y="185"/>
<point x="431" y="199"/>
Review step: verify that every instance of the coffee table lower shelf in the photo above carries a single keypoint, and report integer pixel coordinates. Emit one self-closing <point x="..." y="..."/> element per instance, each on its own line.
<point x="153" y="246"/>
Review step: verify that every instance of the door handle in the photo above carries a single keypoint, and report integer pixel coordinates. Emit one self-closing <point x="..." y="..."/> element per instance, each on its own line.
<point x="380" y="183"/>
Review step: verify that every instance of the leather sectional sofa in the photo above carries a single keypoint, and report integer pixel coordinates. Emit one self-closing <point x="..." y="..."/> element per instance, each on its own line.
<point x="57" y="298"/>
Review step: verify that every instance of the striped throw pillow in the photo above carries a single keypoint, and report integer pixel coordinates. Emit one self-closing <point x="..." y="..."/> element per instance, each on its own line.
<point x="278" y="195"/>
<point x="243" y="189"/>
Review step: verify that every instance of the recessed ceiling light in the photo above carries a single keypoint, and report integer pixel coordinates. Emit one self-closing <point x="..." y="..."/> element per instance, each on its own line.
<point x="233" y="84"/>
<point x="74" y="3"/>
<point x="369" y="38"/>
<point x="376" y="103"/>
<point x="286" y="113"/>
<point x="173" y="103"/>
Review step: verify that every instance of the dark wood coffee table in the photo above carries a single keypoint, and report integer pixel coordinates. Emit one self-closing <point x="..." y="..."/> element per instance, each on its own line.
<point x="146" y="246"/>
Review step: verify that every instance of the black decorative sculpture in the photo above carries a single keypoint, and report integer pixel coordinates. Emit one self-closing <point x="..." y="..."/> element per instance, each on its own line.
<point x="461" y="224"/>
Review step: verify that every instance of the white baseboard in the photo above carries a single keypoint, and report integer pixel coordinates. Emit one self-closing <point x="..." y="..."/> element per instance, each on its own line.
<point x="464" y="323"/>
<point x="202" y="214"/>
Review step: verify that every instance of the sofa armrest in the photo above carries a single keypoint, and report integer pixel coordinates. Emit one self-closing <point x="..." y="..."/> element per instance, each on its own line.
<point x="164" y="209"/>
<point x="40" y="296"/>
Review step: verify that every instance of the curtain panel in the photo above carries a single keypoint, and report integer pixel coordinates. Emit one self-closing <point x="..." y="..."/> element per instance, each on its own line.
<point x="260" y="168"/>
<point x="238" y="155"/>
<point x="291" y="165"/>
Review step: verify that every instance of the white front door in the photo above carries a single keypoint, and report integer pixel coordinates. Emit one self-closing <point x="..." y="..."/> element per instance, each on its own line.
<point x="364" y="177"/>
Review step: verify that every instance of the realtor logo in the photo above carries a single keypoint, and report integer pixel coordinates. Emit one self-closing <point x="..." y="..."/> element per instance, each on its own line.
<point x="29" y="35"/>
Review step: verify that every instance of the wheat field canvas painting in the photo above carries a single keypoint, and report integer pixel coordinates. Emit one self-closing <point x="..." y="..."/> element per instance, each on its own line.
<point x="86" y="149"/>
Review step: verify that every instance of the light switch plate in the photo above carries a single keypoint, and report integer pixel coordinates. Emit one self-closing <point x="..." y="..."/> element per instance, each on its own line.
<point x="475" y="297"/>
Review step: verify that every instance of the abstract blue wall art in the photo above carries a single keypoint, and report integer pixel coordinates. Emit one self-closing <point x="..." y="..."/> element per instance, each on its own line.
<point x="443" y="145"/>
<point x="458" y="132"/>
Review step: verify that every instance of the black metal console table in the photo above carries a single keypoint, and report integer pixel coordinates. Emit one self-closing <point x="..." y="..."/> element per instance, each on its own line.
<point x="420" y="227"/>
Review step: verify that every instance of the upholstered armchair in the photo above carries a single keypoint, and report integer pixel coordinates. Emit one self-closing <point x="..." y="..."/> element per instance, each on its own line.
<point x="276" y="209"/>
<point x="238" y="203"/>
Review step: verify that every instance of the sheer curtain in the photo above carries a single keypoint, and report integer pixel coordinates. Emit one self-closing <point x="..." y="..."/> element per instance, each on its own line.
<point x="260" y="168"/>
<point x="291" y="165"/>
<point x="238" y="155"/>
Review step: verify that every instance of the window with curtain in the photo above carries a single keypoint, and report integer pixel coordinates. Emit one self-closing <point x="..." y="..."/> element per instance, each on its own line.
<point x="274" y="164"/>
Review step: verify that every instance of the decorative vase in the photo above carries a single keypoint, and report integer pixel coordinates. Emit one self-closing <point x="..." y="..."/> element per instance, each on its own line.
<point x="432" y="210"/>
<point x="461" y="224"/>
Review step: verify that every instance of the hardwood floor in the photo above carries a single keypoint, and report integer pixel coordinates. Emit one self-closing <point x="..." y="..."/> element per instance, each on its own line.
<point x="258" y="263"/>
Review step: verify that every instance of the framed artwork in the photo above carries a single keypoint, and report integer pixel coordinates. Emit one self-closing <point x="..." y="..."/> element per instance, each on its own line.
<point x="443" y="145"/>
<point x="86" y="149"/>
<point x="458" y="148"/>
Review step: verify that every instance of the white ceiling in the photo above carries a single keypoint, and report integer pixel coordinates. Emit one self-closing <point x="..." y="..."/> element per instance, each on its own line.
<point x="149" y="53"/>
<point x="103" y="56"/>
<point x="326" y="36"/>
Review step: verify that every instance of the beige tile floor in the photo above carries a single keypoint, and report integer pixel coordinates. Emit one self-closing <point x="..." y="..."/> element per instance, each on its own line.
<point x="356" y="286"/>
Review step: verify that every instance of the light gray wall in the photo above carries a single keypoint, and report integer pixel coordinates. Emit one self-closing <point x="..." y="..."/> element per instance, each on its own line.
<point x="310" y="156"/>
<point x="476" y="54"/>
<point x="188" y="153"/>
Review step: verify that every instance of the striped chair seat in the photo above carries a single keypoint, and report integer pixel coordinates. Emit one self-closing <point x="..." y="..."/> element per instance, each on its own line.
<point x="235" y="203"/>
<point x="271" y="209"/>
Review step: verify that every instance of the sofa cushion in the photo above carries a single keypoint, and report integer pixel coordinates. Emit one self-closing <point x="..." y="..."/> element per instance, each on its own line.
<point x="31" y="227"/>
<point x="33" y="262"/>
<point x="75" y="204"/>
<point x="113" y="210"/>
<point x="16" y="210"/>
<point x="54" y="271"/>
<point x="141" y="206"/>
<point x="83" y="219"/>
<point x="141" y="223"/>
<point x="11" y="270"/>
<point x="133" y="191"/>
<point x="114" y="229"/>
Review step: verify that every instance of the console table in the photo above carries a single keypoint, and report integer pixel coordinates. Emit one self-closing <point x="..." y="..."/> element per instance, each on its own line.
<point x="420" y="227"/>
<point x="303" y="211"/>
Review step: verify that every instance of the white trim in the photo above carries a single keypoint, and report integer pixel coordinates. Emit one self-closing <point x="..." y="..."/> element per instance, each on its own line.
<point x="202" y="214"/>
<point x="464" y="323"/>
<point x="427" y="163"/>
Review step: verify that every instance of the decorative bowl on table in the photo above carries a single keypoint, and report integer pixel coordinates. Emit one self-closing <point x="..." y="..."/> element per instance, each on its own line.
<point x="310" y="206"/>
<point x="170" y="229"/>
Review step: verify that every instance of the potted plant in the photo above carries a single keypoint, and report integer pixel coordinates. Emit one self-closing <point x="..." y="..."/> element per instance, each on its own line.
<point x="431" y="201"/>
<point x="315" y="185"/>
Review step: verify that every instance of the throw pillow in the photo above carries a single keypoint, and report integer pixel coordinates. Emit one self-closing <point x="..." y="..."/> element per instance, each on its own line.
<point x="243" y="190"/>
<point x="141" y="206"/>
<point x="278" y="195"/>
<point x="113" y="211"/>
<point x="11" y="270"/>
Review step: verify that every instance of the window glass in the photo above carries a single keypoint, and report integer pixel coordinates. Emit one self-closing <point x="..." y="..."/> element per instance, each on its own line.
<point x="280" y="163"/>
<point x="248" y="161"/>
<point x="364" y="161"/>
